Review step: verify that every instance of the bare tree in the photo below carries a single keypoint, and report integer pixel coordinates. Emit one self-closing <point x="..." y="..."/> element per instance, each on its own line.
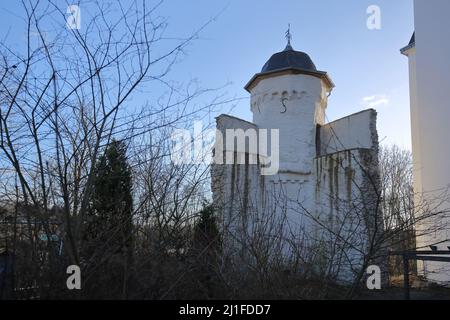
<point x="63" y="97"/>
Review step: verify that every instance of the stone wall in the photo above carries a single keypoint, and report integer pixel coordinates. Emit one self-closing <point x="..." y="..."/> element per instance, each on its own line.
<point x="352" y="132"/>
<point x="331" y="209"/>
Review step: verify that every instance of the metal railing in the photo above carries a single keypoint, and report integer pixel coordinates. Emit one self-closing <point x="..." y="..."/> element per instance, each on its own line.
<point x="423" y="255"/>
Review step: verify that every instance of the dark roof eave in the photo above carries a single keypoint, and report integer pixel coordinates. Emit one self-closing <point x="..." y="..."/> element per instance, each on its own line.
<point x="320" y="74"/>
<point x="404" y="49"/>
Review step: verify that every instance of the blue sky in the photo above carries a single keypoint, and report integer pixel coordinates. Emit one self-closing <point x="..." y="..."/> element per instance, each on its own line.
<point x="365" y="65"/>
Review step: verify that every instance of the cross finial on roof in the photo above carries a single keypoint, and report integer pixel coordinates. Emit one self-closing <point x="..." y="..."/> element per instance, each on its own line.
<point x="288" y="38"/>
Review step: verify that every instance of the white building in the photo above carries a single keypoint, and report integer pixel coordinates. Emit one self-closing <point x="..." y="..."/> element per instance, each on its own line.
<point x="321" y="203"/>
<point x="429" y="75"/>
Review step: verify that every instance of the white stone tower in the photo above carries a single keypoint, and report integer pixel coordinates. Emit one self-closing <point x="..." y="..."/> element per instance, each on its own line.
<point x="290" y="94"/>
<point x="322" y="167"/>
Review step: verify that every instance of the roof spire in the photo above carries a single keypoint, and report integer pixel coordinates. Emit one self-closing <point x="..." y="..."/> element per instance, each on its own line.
<point x="288" y="38"/>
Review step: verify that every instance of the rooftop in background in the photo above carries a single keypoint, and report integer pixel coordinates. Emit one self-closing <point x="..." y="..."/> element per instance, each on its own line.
<point x="411" y="44"/>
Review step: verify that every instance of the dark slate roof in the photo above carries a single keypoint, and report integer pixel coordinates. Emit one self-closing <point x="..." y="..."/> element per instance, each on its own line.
<point x="289" y="58"/>
<point x="291" y="61"/>
<point x="413" y="39"/>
